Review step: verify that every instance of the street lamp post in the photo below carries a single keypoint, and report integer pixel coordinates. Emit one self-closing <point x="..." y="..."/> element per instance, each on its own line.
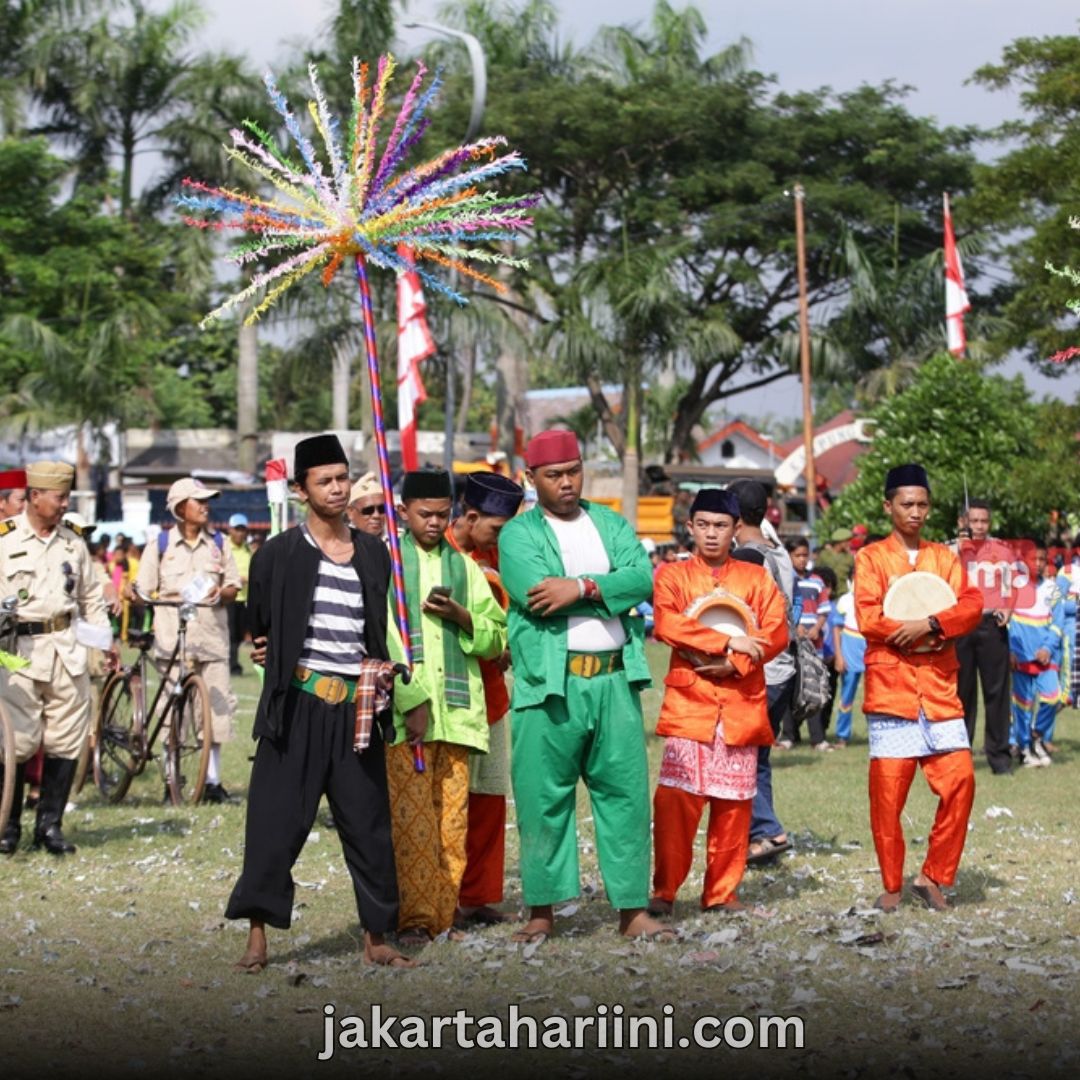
<point x="479" y="100"/>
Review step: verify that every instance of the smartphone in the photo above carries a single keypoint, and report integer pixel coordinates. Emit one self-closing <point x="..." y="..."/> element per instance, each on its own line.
<point x="438" y="591"/>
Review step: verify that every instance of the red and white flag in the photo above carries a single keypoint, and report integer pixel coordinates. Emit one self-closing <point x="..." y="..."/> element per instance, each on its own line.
<point x="956" y="298"/>
<point x="415" y="343"/>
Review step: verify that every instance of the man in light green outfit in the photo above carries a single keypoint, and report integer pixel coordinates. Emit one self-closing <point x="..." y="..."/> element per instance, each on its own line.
<point x="573" y="571"/>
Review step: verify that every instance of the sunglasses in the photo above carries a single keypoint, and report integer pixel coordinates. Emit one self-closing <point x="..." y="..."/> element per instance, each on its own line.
<point x="367" y="511"/>
<point x="69" y="578"/>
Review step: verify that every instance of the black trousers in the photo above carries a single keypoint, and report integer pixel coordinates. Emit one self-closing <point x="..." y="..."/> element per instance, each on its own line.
<point x="237" y="613"/>
<point x="290" y="775"/>
<point x="984" y="657"/>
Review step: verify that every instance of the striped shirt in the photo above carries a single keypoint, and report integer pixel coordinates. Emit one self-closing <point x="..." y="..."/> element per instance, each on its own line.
<point x="334" y="640"/>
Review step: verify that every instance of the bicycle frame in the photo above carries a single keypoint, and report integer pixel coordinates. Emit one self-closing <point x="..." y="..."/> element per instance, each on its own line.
<point x="144" y="715"/>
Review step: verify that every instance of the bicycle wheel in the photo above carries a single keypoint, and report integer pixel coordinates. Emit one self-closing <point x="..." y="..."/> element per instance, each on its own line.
<point x="188" y="743"/>
<point x="116" y="741"/>
<point x="7" y="752"/>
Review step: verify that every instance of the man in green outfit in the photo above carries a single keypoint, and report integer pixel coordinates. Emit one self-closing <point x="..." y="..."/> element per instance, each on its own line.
<point x="573" y="572"/>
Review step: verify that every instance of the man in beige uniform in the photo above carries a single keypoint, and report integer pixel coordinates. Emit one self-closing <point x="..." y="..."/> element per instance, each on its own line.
<point x="46" y="567"/>
<point x="166" y="567"/>
<point x="367" y="506"/>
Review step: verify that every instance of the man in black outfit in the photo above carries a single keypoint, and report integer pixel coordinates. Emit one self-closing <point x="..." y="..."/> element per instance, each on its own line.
<point x="984" y="653"/>
<point x="306" y="721"/>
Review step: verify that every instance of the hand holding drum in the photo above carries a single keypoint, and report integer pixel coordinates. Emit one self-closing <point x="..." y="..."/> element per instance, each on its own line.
<point x="911" y="598"/>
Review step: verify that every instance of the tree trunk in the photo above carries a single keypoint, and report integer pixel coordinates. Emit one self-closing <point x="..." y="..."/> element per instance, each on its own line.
<point x="468" y="373"/>
<point x="247" y="397"/>
<point x="612" y="429"/>
<point x="340" y="385"/>
<point x="370" y="456"/>
<point x="631" y="459"/>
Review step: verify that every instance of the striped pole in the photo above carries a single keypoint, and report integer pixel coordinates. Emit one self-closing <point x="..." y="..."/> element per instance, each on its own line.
<point x="384" y="459"/>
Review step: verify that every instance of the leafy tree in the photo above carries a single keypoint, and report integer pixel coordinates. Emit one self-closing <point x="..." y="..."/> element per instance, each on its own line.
<point x="960" y="423"/>
<point x="1030" y="193"/>
<point x="684" y="165"/>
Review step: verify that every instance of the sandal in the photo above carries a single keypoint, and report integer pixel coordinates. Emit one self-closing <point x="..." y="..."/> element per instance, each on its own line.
<point x="767" y="848"/>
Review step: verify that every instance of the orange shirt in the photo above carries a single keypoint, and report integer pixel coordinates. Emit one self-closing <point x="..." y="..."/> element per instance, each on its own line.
<point x="694" y="703"/>
<point x="496" y="696"/>
<point x="901" y="683"/>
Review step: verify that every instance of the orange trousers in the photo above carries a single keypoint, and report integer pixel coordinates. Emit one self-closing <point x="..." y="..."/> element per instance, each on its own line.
<point x="428" y="816"/>
<point x="485" y="851"/>
<point x="676" y="816"/>
<point x="951" y="777"/>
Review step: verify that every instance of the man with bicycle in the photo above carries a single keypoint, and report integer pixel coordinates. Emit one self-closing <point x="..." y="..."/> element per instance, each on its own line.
<point x="190" y="559"/>
<point x="47" y="575"/>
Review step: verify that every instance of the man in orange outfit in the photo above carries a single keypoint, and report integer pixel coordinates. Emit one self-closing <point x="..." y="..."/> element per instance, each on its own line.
<point x="489" y="502"/>
<point x="912" y="709"/>
<point x="715" y="713"/>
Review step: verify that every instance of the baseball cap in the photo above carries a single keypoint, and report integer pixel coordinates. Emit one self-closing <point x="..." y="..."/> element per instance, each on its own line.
<point x="238" y="521"/>
<point x="188" y="488"/>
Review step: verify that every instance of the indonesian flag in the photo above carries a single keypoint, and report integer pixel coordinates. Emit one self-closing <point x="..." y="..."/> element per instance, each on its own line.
<point x="415" y="343"/>
<point x="956" y="298"/>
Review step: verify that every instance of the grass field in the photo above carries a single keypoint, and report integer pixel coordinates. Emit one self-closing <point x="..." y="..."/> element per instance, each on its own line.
<point x="118" y="960"/>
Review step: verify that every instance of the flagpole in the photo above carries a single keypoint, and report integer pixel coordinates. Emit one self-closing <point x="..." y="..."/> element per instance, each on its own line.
<point x="384" y="458"/>
<point x="804" y="362"/>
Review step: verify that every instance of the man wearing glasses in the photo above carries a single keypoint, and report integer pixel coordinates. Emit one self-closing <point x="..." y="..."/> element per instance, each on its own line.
<point x="46" y="572"/>
<point x="367" y="506"/>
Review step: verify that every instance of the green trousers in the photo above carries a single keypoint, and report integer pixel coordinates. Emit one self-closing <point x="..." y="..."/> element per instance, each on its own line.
<point x="595" y="734"/>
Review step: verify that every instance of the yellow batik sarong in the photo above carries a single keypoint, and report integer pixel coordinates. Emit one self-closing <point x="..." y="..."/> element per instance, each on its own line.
<point x="429" y="813"/>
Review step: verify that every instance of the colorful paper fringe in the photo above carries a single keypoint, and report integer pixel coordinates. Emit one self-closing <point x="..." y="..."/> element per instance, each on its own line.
<point x="358" y="202"/>
<point x="362" y="205"/>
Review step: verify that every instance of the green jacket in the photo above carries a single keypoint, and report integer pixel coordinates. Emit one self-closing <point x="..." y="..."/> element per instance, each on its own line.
<point x="528" y="553"/>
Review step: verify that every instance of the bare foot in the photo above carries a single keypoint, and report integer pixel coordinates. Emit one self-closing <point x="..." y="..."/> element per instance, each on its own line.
<point x="254" y="959"/>
<point x="929" y="892"/>
<point x="889" y="902"/>
<point x="539" y="928"/>
<point x="378" y="954"/>
<point x="638" y="923"/>
<point x="659" y="906"/>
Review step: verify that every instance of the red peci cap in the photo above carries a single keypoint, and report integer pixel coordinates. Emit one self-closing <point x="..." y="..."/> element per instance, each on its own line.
<point x="551" y="448"/>
<point x="11" y="479"/>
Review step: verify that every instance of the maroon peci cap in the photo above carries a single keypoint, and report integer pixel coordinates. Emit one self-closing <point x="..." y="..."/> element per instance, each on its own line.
<point x="12" y="479"/>
<point x="552" y="447"/>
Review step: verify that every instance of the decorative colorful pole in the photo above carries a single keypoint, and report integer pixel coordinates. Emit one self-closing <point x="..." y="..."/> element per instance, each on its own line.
<point x="355" y="202"/>
<point x="384" y="459"/>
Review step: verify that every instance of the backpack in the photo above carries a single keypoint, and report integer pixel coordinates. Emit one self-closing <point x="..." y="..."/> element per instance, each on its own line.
<point x="163" y="541"/>
<point x="811" y="681"/>
<point x="811" y="675"/>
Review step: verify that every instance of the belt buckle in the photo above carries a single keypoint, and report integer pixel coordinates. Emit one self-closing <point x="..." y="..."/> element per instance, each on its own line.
<point x="334" y="689"/>
<point x="586" y="665"/>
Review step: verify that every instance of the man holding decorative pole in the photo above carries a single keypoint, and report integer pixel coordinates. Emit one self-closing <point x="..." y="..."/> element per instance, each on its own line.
<point x="913" y="601"/>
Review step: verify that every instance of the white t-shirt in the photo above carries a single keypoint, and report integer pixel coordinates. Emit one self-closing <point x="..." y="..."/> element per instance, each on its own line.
<point x="846" y="607"/>
<point x="584" y="555"/>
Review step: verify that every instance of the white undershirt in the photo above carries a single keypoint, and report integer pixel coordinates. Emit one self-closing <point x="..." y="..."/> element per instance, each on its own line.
<point x="583" y="555"/>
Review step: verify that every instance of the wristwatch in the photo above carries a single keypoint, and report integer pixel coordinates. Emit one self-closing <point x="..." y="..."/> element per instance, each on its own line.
<point x="935" y="626"/>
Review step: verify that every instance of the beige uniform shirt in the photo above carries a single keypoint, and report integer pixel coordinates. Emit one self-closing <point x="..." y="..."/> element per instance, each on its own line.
<point x="56" y="576"/>
<point x="208" y="632"/>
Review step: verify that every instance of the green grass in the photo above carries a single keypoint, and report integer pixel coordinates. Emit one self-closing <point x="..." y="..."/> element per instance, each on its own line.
<point x="118" y="959"/>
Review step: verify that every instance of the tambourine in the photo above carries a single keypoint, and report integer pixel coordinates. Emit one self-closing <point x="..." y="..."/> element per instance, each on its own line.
<point x="917" y="595"/>
<point x="723" y="612"/>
